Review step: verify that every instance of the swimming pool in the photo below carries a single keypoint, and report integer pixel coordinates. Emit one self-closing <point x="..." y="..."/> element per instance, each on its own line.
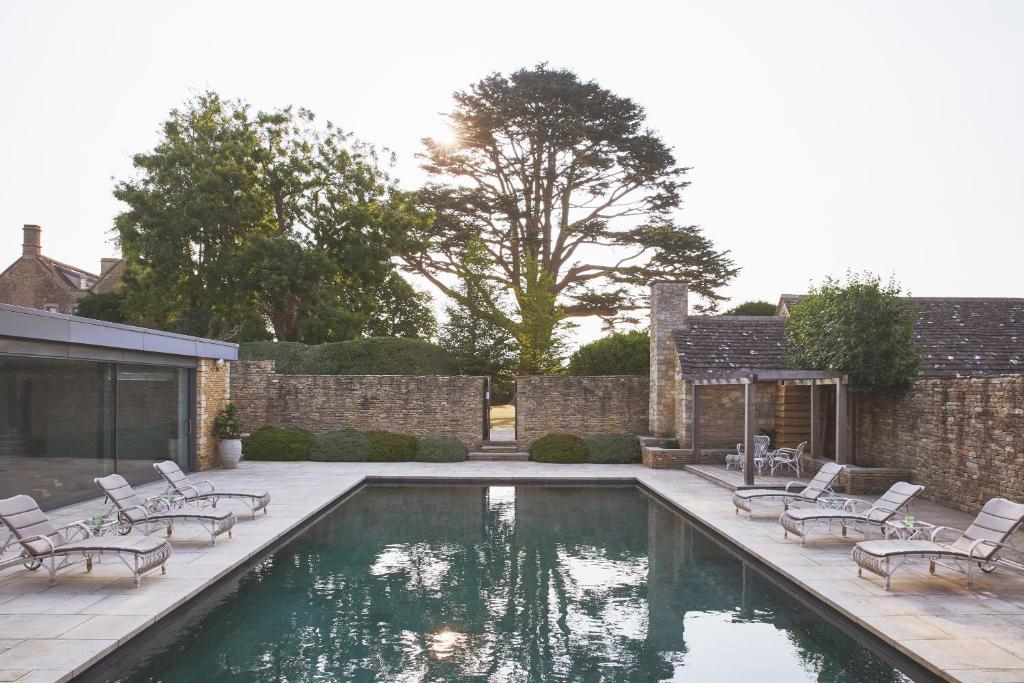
<point x="496" y="583"/>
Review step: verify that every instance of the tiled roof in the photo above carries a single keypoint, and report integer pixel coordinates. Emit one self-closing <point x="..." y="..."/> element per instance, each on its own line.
<point x="964" y="337"/>
<point x="717" y="343"/>
<point x="71" y="275"/>
<point x="959" y="337"/>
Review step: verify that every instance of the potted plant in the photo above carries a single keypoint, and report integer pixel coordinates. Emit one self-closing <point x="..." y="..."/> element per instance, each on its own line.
<point x="227" y="428"/>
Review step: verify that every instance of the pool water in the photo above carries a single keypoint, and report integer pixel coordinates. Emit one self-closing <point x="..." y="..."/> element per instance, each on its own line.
<point x="528" y="583"/>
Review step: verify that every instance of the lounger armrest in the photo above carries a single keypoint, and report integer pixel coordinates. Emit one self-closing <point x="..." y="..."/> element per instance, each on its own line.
<point x="39" y="537"/>
<point x="77" y="526"/>
<point x="124" y="511"/>
<point x="792" y="483"/>
<point x="934" y="537"/>
<point x="994" y="545"/>
<point x="201" y="484"/>
<point x="880" y="508"/>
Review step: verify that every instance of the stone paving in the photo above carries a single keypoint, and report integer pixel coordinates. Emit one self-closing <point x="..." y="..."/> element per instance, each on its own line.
<point x="52" y="633"/>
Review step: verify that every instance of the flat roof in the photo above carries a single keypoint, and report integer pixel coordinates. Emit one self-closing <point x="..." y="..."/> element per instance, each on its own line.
<point x="32" y="324"/>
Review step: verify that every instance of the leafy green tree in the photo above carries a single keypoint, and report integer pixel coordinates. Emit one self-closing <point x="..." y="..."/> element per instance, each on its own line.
<point x="479" y="344"/>
<point x="862" y="327"/>
<point x="107" y="306"/>
<point x="572" y="196"/>
<point x="620" y="353"/>
<point x="239" y="221"/>
<point x="752" y="308"/>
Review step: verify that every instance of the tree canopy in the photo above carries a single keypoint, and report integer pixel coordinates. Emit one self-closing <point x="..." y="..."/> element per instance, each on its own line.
<point x="242" y="221"/>
<point x="752" y="308"/>
<point x="861" y="327"/>
<point x="620" y="353"/>
<point x="480" y="346"/>
<point x="573" y="198"/>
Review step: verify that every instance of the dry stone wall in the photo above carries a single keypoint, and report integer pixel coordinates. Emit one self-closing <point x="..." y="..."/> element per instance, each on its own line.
<point x="428" y="405"/>
<point x="962" y="438"/>
<point x="213" y="388"/>
<point x="721" y="414"/>
<point x="582" y="406"/>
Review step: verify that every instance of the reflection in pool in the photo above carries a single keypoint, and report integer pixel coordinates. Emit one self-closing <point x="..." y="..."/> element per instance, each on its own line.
<point x="469" y="583"/>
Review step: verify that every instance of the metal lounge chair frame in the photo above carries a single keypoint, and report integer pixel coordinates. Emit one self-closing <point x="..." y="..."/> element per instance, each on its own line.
<point x="739" y="459"/>
<point x="158" y="511"/>
<point x="788" y="457"/>
<point x="852" y="514"/>
<point x="44" y="545"/>
<point x="204" y="490"/>
<point x="983" y="545"/>
<point x="820" y="485"/>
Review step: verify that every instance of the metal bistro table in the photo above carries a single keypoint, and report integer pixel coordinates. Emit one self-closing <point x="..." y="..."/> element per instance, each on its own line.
<point x="907" y="529"/>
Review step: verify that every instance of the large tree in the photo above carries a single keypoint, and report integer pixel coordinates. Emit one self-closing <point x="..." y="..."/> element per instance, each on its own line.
<point x="239" y="222"/>
<point x="573" y="198"/>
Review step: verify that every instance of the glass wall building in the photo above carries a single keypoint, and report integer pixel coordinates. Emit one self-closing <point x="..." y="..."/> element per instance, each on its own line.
<point x="80" y="399"/>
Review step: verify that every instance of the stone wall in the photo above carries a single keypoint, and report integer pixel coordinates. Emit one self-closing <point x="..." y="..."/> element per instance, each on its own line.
<point x="962" y="438"/>
<point x="721" y="414"/>
<point x="213" y="391"/>
<point x="581" y="406"/>
<point x="429" y="405"/>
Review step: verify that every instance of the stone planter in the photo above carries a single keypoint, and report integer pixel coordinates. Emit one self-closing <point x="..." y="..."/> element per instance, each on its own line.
<point x="230" y="452"/>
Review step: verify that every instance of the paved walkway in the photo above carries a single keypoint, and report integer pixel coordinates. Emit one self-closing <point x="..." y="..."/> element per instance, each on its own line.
<point x="50" y="633"/>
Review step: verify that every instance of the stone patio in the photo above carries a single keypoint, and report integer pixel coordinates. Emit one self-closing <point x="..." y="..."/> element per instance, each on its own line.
<point x="52" y="633"/>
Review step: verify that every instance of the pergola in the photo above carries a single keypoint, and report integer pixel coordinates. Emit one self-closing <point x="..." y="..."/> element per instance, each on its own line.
<point x="749" y="380"/>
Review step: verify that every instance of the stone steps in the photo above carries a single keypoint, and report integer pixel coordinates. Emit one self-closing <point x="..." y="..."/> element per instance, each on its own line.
<point x="499" y="456"/>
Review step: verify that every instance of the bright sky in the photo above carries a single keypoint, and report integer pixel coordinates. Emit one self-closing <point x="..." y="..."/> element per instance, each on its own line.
<point x="824" y="135"/>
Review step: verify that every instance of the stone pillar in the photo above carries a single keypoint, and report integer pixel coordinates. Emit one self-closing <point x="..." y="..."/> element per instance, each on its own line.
<point x="668" y="313"/>
<point x="213" y="391"/>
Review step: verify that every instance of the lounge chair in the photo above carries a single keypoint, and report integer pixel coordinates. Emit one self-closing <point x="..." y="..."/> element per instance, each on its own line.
<point x="739" y="458"/>
<point x="204" y="490"/>
<point x="158" y="511"/>
<point x="981" y="546"/>
<point x="819" y="486"/>
<point x="44" y="545"/>
<point x="854" y="514"/>
<point x="788" y="457"/>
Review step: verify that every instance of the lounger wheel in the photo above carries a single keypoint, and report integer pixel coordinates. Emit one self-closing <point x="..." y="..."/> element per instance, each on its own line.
<point x="124" y="526"/>
<point x="31" y="562"/>
<point x="987" y="568"/>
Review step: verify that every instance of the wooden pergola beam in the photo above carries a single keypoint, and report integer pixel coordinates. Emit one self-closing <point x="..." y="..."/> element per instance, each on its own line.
<point x="749" y="429"/>
<point x="748" y="376"/>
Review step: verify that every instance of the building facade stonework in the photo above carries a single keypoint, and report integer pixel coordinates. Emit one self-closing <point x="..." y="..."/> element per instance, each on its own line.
<point x="38" y="281"/>
<point x="213" y="392"/>
<point x="581" y="406"/>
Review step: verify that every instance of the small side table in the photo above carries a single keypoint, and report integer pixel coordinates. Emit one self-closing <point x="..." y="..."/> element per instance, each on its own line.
<point x="108" y="526"/>
<point x="898" y="528"/>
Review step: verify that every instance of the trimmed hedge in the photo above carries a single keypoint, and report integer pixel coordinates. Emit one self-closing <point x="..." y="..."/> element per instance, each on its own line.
<point x="373" y="356"/>
<point x="440" y="449"/>
<point x="287" y="354"/>
<point x="391" y="447"/>
<point x="613" y="448"/>
<point x="277" y="443"/>
<point x="558" y="448"/>
<point x="346" y="445"/>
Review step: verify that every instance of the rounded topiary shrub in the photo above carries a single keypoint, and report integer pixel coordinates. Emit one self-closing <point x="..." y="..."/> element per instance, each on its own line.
<point x="346" y="445"/>
<point x="390" y="447"/>
<point x="558" y="448"/>
<point x="440" y="449"/>
<point x="612" y="448"/>
<point x="277" y="443"/>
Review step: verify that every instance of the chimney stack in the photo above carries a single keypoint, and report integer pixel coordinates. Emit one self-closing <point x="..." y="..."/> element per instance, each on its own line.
<point x="107" y="263"/>
<point x="32" y="241"/>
